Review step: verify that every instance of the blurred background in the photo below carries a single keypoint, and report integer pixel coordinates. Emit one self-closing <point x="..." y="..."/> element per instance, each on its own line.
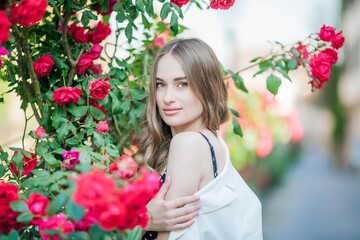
<point x="301" y="150"/>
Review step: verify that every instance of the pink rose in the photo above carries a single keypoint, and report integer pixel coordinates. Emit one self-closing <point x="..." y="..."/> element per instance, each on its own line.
<point x="4" y="27"/>
<point x="320" y="66"/>
<point x="37" y="204"/>
<point x="102" y="127"/>
<point x="28" y="12"/>
<point x="96" y="50"/>
<point x="96" y="68"/>
<point x="222" y="4"/>
<point x="326" y="33"/>
<point x="103" y="189"/>
<point x="85" y="62"/>
<point x="66" y="95"/>
<point x="70" y="158"/>
<point x="99" y="89"/>
<point x="333" y="55"/>
<point x="100" y="32"/>
<point x="8" y="193"/>
<point x="78" y="33"/>
<point x="40" y="132"/>
<point x="180" y="3"/>
<point x="29" y="163"/>
<point x="56" y="222"/>
<point x="43" y="65"/>
<point x="338" y="40"/>
<point x="125" y="167"/>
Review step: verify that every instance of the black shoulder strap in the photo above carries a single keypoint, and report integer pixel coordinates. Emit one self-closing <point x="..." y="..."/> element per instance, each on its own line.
<point x="212" y="156"/>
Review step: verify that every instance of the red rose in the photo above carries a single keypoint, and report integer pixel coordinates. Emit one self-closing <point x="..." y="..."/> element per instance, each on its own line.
<point x="320" y="66"/>
<point x="28" y="12"/>
<point x="222" y="4"/>
<point x="3" y="51"/>
<point x="29" y="163"/>
<point x="103" y="189"/>
<point x="102" y="127"/>
<point x="43" y="65"/>
<point x="96" y="51"/>
<point x="85" y="62"/>
<point x="100" y="32"/>
<point x="40" y="132"/>
<point x="8" y="193"/>
<point x="114" y="210"/>
<point x="96" y="68"/>
<point x="78" y="33"/>
<point x="180" y="3"/>
<point x="99" y="89"/>
<point x="333" y="55"/>
<point x="125" y="167"/>
<point x="304" y="54"/>
<point x="37" y="204"/>
<point x="4" y="27"/>
<point x="326" y="33"/>
<point x="338" y="40"/>
<point x="65" y="95"/>
<point x="111" y="4"/>
<point x="56" y="222"/>
<point x="87" y="221"/>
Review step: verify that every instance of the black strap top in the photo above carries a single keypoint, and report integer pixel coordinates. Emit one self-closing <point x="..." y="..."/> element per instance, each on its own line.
<point x="152" y="235"/>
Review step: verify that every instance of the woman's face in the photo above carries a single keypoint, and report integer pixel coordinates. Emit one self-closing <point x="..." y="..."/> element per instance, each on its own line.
<point x="177" y="104"/>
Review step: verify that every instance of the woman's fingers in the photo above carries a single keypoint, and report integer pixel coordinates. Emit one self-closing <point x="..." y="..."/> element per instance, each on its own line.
<point x="183" y="222"/>
<point x="183" y="201"/>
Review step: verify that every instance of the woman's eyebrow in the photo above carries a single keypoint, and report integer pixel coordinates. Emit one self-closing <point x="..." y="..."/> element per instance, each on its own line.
<point x="175" y="79"/>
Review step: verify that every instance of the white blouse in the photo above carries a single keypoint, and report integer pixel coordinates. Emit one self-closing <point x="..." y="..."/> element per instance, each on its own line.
<point x="229" y="209"/>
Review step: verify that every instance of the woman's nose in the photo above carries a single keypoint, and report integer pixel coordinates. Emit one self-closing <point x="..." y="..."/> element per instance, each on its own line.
<point x="168" y="95"/>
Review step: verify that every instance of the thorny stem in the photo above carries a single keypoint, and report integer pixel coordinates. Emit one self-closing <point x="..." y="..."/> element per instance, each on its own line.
<point x="65" y="41"/>
<point x="34" y="79"/>
<point x="116" y="44"/>
<point x="24" y="132"/>
<point x="22" y="75"/>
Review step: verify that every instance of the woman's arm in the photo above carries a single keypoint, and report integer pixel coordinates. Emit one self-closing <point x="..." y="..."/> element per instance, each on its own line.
<point x="185" y="166"/>
<point x="171" y="215"/>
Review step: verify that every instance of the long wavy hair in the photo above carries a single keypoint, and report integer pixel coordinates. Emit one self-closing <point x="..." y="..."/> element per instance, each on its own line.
<point x="203" y="73"/>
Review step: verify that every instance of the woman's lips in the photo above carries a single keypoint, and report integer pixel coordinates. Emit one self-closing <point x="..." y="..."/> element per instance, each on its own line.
<point x="171" y="111"/>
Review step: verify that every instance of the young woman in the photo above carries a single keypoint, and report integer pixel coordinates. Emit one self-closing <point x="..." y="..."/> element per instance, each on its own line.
<point x="187" y="103"/>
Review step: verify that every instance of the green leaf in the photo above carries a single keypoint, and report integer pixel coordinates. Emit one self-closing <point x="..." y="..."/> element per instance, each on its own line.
<point x="295" y="52"/>
<point x="265" y="65"/>
<point x="98" y="140"/>
<point x="273" y="83"/>
<point x="63" y="130"/>
<point x="4" y="156"/>
<point x="129" y="31"/>
<point x="112" y="150"/>
<point x="96" y="113"/>
<point x="77" y="111"/>
<point x="96" y="232"/>
<point x="115" y="104"/>
<point x="80" y="236"/>
<point x="28" y="183"/>
<point x="255" y="59"/>
<point x="13" y="235"/>
<point x="133" y="234"/>
<point x="140" y="5"/>
<point x="75" y="211"/>
<point x="125" y="106"/>
<point x="19" y="206"/>
<point x="174" y="26"/>
<point x="145" y="21"/>
<point x="2" y="171"/>
<point x="57" y="204"/>
<point x="25" y="217"/>
<point x="165" y="10"/>
<point x="51" y="160"/>
<point x="60" y="62"/>
<point x="292" y="64"/>
<point x="239" y="82"/>
<point x="234" y="112"/>
<point x="120" y="17"/>
<point x="236" y="127"/>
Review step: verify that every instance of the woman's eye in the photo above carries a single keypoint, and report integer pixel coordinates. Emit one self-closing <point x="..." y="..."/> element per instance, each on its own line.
<point x="159" y="85"/>
<point x="183" y="84"/>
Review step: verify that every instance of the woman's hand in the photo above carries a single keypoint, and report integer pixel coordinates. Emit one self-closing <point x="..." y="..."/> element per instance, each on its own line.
<point x="171" y="215"/>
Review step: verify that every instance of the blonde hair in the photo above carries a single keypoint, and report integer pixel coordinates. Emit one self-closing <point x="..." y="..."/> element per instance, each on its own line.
<point x="203" y="72"/>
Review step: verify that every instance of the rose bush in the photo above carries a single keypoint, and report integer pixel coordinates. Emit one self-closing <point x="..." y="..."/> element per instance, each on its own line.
<point x="88" y="100"/>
